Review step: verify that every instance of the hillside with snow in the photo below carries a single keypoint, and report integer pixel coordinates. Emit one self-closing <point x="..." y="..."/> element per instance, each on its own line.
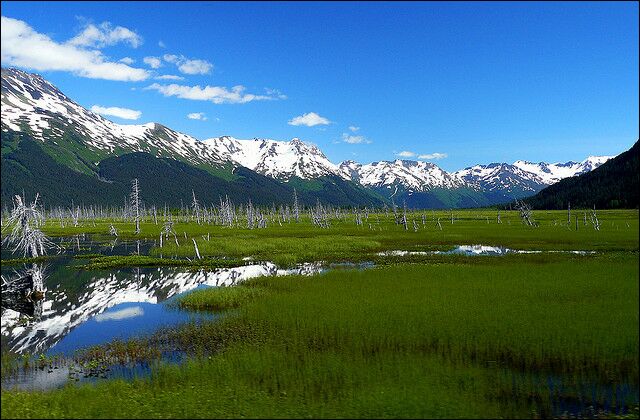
<point x="32" y="104"/>
<point x="81" y="139"/>
<point x="277" y="159"/>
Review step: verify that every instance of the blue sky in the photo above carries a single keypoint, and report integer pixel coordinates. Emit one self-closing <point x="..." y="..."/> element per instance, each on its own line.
<point x="479" y="82"/>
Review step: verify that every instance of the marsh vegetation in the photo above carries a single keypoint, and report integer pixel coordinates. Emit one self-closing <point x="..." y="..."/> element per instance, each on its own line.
<point x="424" y="333"/>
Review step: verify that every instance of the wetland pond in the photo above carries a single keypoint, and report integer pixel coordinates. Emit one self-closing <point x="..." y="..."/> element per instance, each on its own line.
<point x="83" y="308"/>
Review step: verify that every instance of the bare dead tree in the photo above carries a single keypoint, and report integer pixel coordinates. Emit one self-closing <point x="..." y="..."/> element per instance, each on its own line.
<point x="296" y="209"/>
<point x="195" y="245"/>
<point x="135" y="203"/>
<point x="24" y="223"/>
<point x="526" y="214"/>
<point x="250" y="215"/>
<point x="196" y="207"/>
<point x="167" y="229"/>
<point x="404" y="216"/>
<point x="594" y="219"/>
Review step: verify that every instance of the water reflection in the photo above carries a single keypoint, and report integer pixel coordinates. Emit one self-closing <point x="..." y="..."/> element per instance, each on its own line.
<point x="23" y="291"/>
<point x="110" y="304"/>
<point x="473" y="250"/>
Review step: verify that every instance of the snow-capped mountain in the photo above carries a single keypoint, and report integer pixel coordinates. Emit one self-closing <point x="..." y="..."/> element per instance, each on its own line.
<point x="500" y="177"/>
<point x="32" y="104"/>
<point x="411" y="175"/>
<point x="554" y="172"/>
<point x="521" y="178"/>
<point x="277" y="159"/>
<point x="524" y="177"/>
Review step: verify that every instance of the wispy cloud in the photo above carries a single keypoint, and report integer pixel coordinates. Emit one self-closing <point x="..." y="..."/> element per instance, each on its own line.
<point x="197" y="116"/>
<point x="215" y="94"/>
<point x="161" y="44"/>
<point x="353" y="128"/>
<point x="120" y="314"/>
<point x="195" y="67"/>
<point x="113" y="111"/>
<point x="169" y="77"/>
<point x="171" y="58"/>
<point x="405" y="154"/>
<point x="189" y="66"/>
<point x="309" y="119"/>
<point x="22" y="46"/>
<point x="153" y="62"/>
<point x="426" y="156"/>
<point x="275" y="92"/>
<point x="433" y="156"/>
<point x="104" y="34"/>
<point x="127" y="60"/>
<point x="351" y="139"/>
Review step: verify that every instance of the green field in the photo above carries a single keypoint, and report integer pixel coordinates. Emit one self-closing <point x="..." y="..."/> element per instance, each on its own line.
<point x="521" y="335"/>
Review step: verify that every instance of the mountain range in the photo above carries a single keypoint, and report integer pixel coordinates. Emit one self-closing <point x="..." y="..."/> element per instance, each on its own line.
<point x="613" y="185"/>
<point x="54" y="146"/>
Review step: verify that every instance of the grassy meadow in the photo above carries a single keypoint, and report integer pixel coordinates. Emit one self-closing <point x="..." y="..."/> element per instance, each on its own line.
<point x="422" y="336"/>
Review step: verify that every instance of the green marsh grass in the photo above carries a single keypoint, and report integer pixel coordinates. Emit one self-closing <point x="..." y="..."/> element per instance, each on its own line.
<point x="220" y="298"/>
<point x="297" y="242"/>
<point x="405" y="340"/>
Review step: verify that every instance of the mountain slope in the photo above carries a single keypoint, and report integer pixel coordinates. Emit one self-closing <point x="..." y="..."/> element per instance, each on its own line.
<point x="32" y="105"/>
<point x="82" y="141"/>
<point x="416" y="184"/>
<point x="43" y="128"/>
<point x="615" y="184"/>
<point x="277" y="159"/>
<point x="27" y="168"/>
<point x="551" y="173"/>
<point x="501" y="178"/>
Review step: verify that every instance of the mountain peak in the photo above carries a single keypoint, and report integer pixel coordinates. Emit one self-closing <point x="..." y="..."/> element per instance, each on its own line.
<point x="29" y="100"/>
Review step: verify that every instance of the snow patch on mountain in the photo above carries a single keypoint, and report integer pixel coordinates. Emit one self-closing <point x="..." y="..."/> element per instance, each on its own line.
<point x="412" y="175"/>
<point x="551" y="173"/>
<point x="277" y="159"/>
<point x="30" y="103"/>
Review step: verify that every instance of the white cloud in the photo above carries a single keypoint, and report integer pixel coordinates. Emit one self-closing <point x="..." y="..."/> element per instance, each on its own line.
<point x="406" y="154"/>
<point x="433" y="156"/>
<point x="195" y="67"/>
<point x="127" y="60"/>
<point x="171" y="58"/>
<point x="188" y="66"/>
<point x="348" y="138"/>
<point x="309" y="119"/>
<point x="124" y="113"/>
<point x="354" y="128"/>
<point x="215" y="94"/>
<point x="197" y="116"/>
<point x="21" y="46"/>
<point x="161" y="44"/>
<point x="275" y="92"/>
<point x="120" y="314"/>
<point x="153" y="62"/>
<point x="103" y="35"/>
<point x="169" y="77"/>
